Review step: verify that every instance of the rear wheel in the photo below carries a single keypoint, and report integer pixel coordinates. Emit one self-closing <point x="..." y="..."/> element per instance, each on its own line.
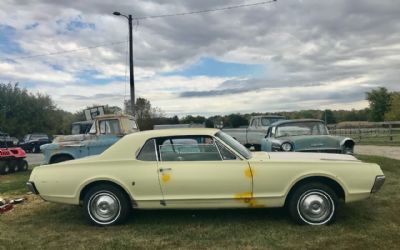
<point x="313" y="204"/>
<point x="106" y="205"/>
<point x="4" y="167"/>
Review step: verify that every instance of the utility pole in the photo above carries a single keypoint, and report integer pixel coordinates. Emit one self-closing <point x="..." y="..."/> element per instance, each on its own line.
<point x="131" y="75"/>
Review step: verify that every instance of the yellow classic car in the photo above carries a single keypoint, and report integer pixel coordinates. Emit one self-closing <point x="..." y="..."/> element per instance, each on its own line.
<point x="204" y="168"/>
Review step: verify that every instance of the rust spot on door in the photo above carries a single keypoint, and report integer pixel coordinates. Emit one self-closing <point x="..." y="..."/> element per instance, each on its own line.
<point x="166" y="177"/>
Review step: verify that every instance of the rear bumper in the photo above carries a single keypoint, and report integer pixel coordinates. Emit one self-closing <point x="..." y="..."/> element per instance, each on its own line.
<point x="31" y="186"/>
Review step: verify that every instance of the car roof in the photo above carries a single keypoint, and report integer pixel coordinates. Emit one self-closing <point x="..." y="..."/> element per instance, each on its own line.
<point x="295" y="121"/>
<point x="136" y="140"/>
<point x="175" y="132"/>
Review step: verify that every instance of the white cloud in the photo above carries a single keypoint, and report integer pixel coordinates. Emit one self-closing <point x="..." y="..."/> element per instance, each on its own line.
<point x="333" y="50"/>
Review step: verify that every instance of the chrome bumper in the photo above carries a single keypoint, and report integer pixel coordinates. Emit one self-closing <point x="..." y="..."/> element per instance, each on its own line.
<point x="31" y="186"/>
<point x="379" y="180"/>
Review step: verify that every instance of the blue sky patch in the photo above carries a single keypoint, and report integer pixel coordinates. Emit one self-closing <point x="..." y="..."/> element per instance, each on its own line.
<point x="7" y="41"/>
<point x="89" y="77"/>
<point x="78" y="24"/>
<point x="207" y="66"/>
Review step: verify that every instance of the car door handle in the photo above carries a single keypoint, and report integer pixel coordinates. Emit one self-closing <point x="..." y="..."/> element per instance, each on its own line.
<point x="165" y="169"/>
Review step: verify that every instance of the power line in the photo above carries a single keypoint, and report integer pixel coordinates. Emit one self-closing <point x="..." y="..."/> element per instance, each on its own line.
<point x="142" y="18"/>
<point x="65" y="51"/>
<point x="206" y="10"/>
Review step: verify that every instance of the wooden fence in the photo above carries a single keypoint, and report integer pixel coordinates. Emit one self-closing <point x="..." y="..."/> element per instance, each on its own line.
<point x="379" y="131"/>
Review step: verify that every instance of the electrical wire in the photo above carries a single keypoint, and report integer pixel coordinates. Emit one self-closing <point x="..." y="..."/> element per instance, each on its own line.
<point x="137" y="24"/>
<point x="206" y="10"/>
<point x="64" y="51"/>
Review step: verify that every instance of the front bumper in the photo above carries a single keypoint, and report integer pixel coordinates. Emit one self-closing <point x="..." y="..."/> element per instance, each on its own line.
<point x="379" y="180"/>
<point x="31" y="186"/>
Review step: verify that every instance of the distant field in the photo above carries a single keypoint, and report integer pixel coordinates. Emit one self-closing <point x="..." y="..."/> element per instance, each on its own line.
<point x="370" y="224"/>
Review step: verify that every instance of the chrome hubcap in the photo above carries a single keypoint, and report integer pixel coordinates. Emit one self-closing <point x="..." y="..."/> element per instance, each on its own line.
<point x="315" y="207"/>
<point x="104" y="207"/>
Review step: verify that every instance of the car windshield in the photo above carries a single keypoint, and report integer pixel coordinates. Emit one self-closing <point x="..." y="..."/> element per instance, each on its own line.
<point x="301" y="128"/>
<point x="266" y="121"/>
<point x="230" y="141"/>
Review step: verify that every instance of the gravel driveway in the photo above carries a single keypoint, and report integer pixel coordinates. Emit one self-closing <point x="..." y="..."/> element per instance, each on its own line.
<point x="34" y="159"/>
<point x="387" y="151"/>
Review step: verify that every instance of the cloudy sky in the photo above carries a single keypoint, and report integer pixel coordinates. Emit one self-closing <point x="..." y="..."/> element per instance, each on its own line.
<point x="288" y="55"/>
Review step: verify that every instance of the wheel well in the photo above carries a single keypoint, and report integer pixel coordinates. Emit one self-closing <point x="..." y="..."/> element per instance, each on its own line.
<point x="90" y="185"/>
<point x="349" y="144"/>
<point x="336" y="187"/>
<point x="54" y="157"/>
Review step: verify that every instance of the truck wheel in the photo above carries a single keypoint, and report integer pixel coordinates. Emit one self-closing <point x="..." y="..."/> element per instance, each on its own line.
<point x="23" y="165"/>
<point x="36" y="149"/>
<point x="257" y="147"/>
<point x="313" y="204"/>
<point x="61" y="158"/>
<point x="106" y="205"/>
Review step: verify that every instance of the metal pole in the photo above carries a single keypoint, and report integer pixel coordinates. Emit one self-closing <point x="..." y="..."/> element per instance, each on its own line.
<point x="132" y="81"/>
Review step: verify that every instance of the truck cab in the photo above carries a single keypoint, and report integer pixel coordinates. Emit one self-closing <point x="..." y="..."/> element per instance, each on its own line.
<point x="257" y="129"/>
<point x="104" y="132"/>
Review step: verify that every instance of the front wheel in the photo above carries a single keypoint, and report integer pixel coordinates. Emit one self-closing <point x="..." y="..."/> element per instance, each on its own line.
<point x="106" y="205"/>
<point x="313" y="204"/>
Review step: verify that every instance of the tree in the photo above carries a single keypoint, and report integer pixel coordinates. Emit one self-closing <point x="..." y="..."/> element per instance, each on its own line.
<point x="145" y="114"/>
<point x="394" y="112"/>
<point x="328" y="116"/>
<point x="22" y="113"/>
<point x="379" y="103"/>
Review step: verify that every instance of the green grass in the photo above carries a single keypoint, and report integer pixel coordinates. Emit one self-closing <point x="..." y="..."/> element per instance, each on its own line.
<point x="369" y="224"/>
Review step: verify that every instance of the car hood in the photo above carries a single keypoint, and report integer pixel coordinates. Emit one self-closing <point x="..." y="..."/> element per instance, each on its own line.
<point x="297" y="156"/>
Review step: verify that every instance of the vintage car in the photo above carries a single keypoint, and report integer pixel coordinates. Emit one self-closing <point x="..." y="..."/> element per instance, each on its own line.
<point x="204" y="168"/>
<point x="104" y="132"/>
<point x="305" y="135"/>
<point x="32" y="142"/>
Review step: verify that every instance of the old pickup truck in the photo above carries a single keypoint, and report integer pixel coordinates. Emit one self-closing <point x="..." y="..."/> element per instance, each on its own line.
<point x="257" y="129"/>
<point x="105" y="131"/>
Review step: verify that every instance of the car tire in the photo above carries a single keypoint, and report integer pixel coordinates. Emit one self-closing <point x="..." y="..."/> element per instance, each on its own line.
<point x="106" y="205"/>
<point x="313" y="204"/>
<point x="23" y="165"/>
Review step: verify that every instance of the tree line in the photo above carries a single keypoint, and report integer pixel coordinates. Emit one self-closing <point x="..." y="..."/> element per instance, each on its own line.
<point x="22" y="112"/>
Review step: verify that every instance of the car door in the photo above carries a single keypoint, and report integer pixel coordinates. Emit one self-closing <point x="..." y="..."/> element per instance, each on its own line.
<point x="193" y="173"/>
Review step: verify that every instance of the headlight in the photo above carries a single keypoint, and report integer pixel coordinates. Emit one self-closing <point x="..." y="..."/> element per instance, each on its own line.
<point x="286" y="146"/>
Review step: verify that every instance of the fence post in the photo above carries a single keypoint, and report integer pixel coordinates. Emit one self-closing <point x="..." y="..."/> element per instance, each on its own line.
<point x="390" y="132"/>
<point x="359" y="131"/>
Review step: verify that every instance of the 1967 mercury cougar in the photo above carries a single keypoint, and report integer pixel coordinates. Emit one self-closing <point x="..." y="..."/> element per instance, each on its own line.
<point x="204" y="168"/>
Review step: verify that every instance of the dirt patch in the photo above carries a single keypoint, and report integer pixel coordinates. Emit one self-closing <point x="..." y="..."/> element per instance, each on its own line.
<point x="386" y="151"/>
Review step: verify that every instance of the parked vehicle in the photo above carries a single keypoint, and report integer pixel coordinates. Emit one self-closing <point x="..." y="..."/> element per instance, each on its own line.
<point x="306" y="135"/>
<point x="80" y="128"/>
<point x="32" y="142"/>
<point x="257" y="129"/>
<point x="12" y="160"/>
<point x="5" y="140"/>
<point x="105" y="131"/>
<point x="204" y="168"/>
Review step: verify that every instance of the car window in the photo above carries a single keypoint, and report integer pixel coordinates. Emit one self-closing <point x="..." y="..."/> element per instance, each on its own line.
<point x="148" y="151"/>
<point x="110" y="127"/>
<point x="225" y="153"/>
<point x="188" y="148"/>
<point x="301" y="128"/>
<point x="234" y="144"/>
